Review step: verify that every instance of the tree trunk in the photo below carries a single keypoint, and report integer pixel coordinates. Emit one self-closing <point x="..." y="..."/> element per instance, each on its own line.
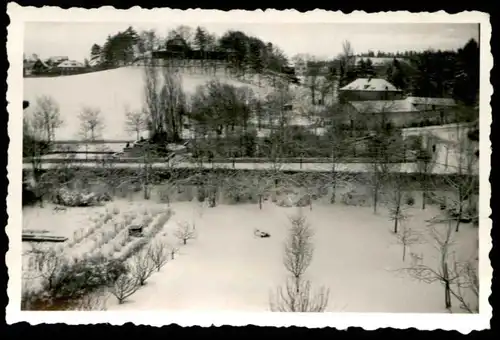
<point x="447" y="297"/>
<point x="404" y="252"/>
<point x="396" y="218"/>
<point x="260" y="202"/>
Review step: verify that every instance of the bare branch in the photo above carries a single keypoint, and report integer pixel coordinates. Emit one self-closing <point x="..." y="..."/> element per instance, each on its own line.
<point x="185" y="232"/>
<point x="124" y="287"/>
<point x="159" y="254"/>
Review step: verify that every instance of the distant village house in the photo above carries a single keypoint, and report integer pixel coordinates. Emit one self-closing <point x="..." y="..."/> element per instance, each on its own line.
<point x="70" y="66"/>
<point x="369" y="89"/>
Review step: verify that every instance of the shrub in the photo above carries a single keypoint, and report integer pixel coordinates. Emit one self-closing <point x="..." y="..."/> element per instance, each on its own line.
<point x="73" y="280"/>
<point x="75" y="198"/>
<point x="355" y="198"/>
<point x="410" y="200"/>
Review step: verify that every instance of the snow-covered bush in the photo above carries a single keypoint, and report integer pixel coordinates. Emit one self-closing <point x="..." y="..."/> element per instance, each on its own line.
<point x="77" y="198"/>
<point x="304" y="200"/>
<point x="355" y="198"/>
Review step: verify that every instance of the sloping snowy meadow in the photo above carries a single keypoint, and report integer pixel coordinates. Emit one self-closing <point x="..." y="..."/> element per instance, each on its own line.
<point x="111" y="91"/>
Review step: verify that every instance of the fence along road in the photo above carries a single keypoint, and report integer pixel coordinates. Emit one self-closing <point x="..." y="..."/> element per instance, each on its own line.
<point x="304" y="166"/>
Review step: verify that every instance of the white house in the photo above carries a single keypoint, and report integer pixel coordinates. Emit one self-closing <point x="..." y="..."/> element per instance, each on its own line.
<point x="398" y="112"/>
<point x="451" y="149"/>
<point x="70" y="65"/>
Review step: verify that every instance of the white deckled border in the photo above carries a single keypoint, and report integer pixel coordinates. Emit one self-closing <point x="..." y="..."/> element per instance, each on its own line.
<point x="19" y="15"/>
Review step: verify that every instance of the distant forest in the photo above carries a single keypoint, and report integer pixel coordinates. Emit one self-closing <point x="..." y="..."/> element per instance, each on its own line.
<point x="431" y="73"/>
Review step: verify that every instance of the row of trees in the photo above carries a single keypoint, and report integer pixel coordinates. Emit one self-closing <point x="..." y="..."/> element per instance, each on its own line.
<point x="249" y="52"/>
<point x="431" y="73"/>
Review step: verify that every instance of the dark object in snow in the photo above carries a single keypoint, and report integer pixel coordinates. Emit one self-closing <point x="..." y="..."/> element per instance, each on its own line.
<point x="261" y="234"/>
<point x="410" y="201"/>
<point x="30" y="237"/>
<point x="135" y="230"/>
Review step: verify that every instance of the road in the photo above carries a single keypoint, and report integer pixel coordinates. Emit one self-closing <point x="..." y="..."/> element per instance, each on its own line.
<point x="311" y="167"/>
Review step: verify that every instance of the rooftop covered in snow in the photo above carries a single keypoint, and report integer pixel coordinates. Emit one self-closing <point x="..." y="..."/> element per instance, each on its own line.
<point x="370" y="84"/>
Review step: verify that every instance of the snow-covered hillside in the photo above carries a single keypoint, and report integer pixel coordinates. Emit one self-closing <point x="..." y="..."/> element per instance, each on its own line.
<point x="111" y="91"/>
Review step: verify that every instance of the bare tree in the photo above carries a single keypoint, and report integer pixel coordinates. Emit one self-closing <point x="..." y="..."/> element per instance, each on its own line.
<point x="47" y="117"/>
<point x="407" y="236"/>
<point x="50" y="265"/>
<point x="142" y="267"/>
<point x="124" y="286"/>
<point x="165" y="101"/>
<point x="91" y="124"/>
<point x="185" y="232"/>
<point x="95" y="301"/>
<point x="396" y="200"/>
<point x="159" y="254"/>
<point x="444" y="272"/>
<point x="297" y="295"/>
<point x="136" y="121"/>
<point x="34" y="147"/>
<point x="173" y="250"/>
<point x="424" y="167"/>
<point x="261" y="185"/>
<point x="466" y="289"/>
<point x="299" y="300"/>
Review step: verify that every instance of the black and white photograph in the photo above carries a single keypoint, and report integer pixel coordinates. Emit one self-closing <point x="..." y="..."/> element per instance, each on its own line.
<point x="231" y="165"/>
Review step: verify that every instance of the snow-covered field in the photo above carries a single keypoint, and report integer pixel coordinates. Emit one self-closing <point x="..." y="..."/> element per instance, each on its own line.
<point x="111" y="91"/>
<point x="227" y="268"/>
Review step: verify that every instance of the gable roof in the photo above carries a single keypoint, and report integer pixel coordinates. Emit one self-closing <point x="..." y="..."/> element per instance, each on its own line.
<point x="57" y="58"/>
<point x="432" y="101"/>
<point x="370" y="84"/>
<point x="41" y="62"/>
<point x="378" y="106"/>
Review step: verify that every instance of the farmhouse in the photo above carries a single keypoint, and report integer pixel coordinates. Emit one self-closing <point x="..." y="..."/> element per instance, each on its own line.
<point x="70" y="65"/>
<point x="56" y="60"/>
<point x="369" y="89"/>
<point x="398" y="112"/>
<point x="37" y="67"/>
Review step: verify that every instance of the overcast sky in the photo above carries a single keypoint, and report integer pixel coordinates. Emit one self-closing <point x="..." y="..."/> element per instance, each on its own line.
<point x="320" y="39"/>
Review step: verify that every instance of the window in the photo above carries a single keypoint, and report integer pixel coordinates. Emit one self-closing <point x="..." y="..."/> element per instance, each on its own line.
<point x="434" y="148"/>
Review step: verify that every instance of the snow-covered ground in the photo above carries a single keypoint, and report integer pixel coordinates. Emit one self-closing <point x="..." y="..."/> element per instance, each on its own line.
<point x="111" y="91"/>
<point x="227" y="268"/>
